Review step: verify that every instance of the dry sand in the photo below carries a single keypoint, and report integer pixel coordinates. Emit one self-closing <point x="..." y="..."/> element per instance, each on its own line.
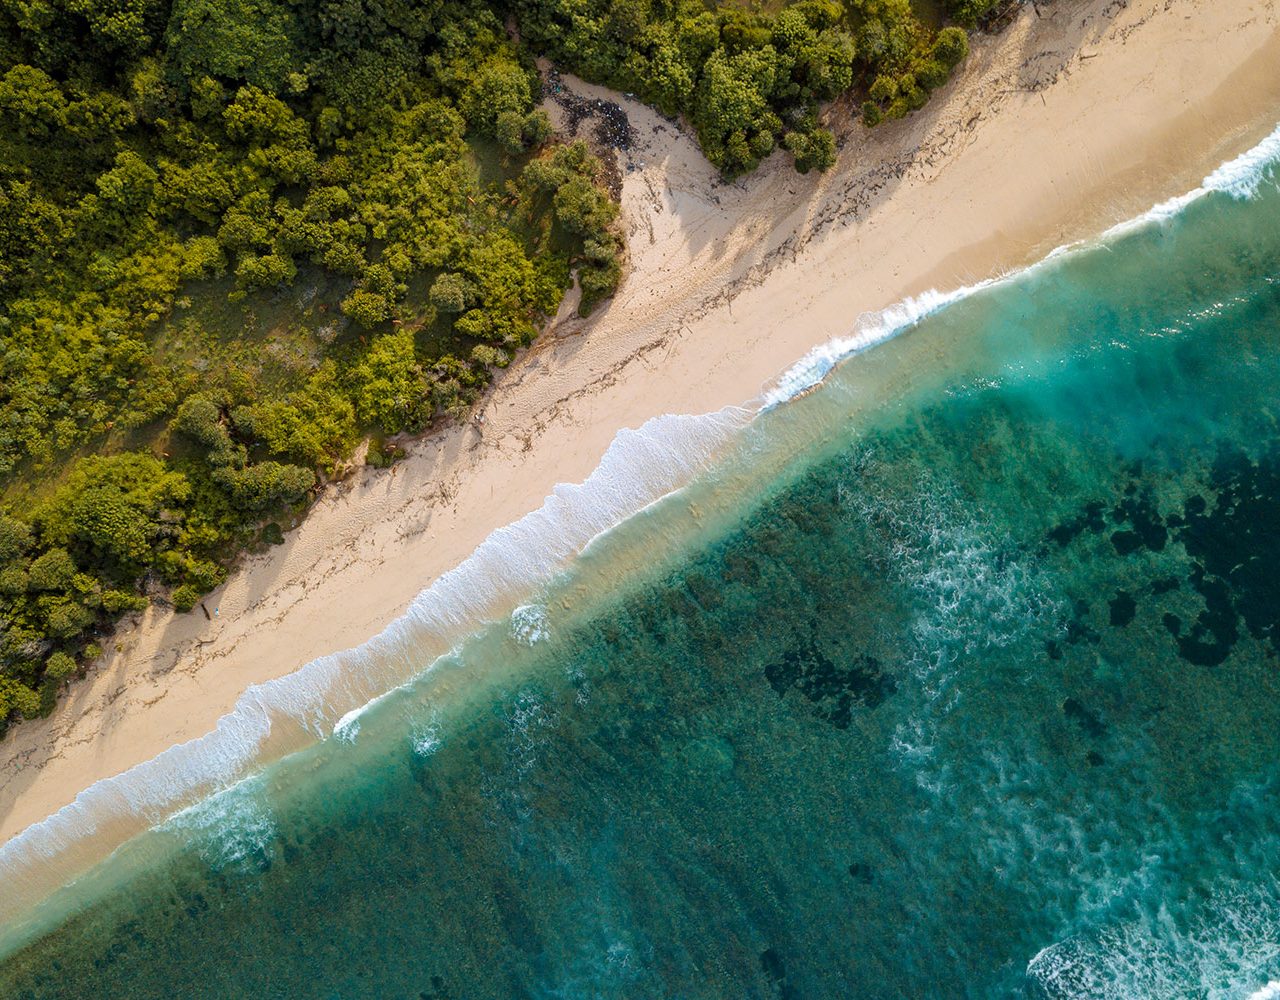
<point x="1082" y="114"/>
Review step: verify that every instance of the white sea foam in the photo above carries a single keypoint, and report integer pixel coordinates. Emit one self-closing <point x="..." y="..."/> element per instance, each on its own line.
<point x="1217" y="955"/>
<point x="348" y="727"/>
<point x="871" y="329"/>
<point x="426" y="740"/>
<point x="1241" y="178"/>
<point x="232" y="829"/>
<point x="639" y="467"/>
<point x="530" y="624"/>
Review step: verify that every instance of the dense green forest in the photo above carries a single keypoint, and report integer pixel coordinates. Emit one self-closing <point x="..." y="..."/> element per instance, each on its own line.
<point x="239" y="236"/>
<point x="749" y="80"/>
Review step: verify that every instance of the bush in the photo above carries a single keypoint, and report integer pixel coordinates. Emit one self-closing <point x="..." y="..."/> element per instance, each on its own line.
<point x="537" y="128"/>
<point x="597" y="282"/>
<point x="15" y="536"/>
<point x="490" y="357"/>
<point x="53" y="571"/>
<point x="951" y="47"/>
<point x="266" y="485"/>
<point x="931" y="75"/>
<point x="367" y="309"/>
<point x="199" y="419"/>
<point x="266" y="271"/>
<point x="59" y="666"/>
<point x="509" y="131"/>
<point x="884" y="89"/>
<point x="451" y="293"/>
<point x="582" y="208"/>
<point x="184" y="598"/>
<point x="17" y="697"/>
<point x="109" y="509"/>
<point x="388" y="384"/>
<point x="383" y="456"/>
<point x="65" y="618"/>
<point x="813" y="150"/>
<point x="13" y="580"/>
<point x="202" y="257"/>
<point x="118" y="601"/>
<point x="967" y="12"/>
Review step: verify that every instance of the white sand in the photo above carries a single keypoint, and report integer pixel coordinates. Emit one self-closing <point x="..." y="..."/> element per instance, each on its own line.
<point x="1082" y="114"/>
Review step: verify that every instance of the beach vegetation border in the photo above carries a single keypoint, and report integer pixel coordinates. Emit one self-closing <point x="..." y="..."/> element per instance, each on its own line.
<point x="239" y="236"/>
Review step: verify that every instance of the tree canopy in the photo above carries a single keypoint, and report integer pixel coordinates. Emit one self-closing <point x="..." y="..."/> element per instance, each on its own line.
<point x="172" y="171"/>
<point x="751" y="81"/>
<point x="237" y="236"/>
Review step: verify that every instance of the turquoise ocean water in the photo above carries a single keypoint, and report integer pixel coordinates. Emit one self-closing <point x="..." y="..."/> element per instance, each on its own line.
<point x="955" y="677"/>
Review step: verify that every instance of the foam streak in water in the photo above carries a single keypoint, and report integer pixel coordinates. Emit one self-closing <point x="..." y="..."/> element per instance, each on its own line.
<point x="1240" y="178"/>
<point x="639" y="467"/>
<point x="871" y="329"/>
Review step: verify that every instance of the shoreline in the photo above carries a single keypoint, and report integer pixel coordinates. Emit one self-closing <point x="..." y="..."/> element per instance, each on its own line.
<point x="728" y="286"/>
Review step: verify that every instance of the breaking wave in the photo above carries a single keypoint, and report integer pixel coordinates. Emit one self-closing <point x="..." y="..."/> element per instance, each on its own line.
<point x="640" y="467"/>
<point x="1240" y="178"/>
<point x="326" y="696"/>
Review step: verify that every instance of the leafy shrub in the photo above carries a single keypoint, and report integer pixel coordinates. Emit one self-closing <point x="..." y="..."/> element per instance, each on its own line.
<point x="185" y="598"/>
<point x="814" y="149"/>
<point x="53" y="571"/>
<point x="451" y="293"/>
<point x="951" y="47"/>
<point x="266" y="485"/>
<point x="59" y="666"/>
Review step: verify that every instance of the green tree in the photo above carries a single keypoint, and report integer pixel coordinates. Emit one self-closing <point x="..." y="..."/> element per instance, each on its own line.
<point x="389" y="386"/>
<point x="234" y="40"/>
<point x="59" y="666"/>
<point x="732" y="114"/>
<point x="814" y="149"/>
<point x="109" y="510"/>
<point x="497" y="86"/>
<point x="17" y="697"/>
<point x="15" y="537"/>
<point x="968" y="12"/>
<point x="367" y="308"/>
<point x="951" y="47"/>
<point x="185" y="597"/>
<point x="129" y="185"/>
<point x="32" y="102"/>
<point x="265" y="485"/>
<point x="54" y="570"/>
<point x="583" y="208"/>
<point x="451" y="292"/>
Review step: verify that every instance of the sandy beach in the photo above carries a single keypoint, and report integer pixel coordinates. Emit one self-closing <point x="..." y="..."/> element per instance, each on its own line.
<point x="1083" y="113"/>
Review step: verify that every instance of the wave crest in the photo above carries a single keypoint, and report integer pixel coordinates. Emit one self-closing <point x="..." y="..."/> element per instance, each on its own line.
<point x="279" y="716"/>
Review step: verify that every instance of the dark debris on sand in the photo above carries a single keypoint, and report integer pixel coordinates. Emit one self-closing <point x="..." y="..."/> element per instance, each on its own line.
<point x="612" y="128"/>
